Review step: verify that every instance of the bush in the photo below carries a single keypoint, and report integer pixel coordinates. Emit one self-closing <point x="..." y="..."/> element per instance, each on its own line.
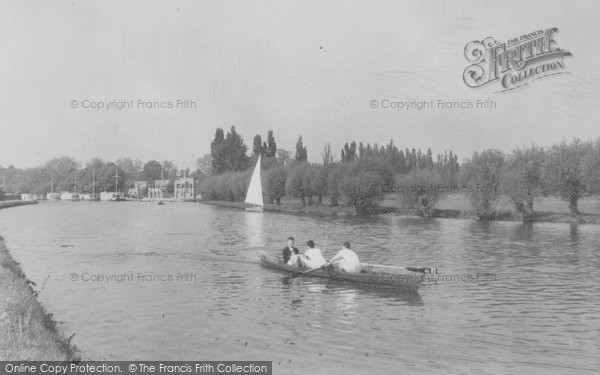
<point x="274" y="182"/>
<point x="420" y="189"/>
<point x="335" y="173"/>
<point x="294" y="184"/>
<point x="483" y="173"/>
<point x="319" y="181"/>
<point x="229" y="186"/>
<point x="358" y="179"/>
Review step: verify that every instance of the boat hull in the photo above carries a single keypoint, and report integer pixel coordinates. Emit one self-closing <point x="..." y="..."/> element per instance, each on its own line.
<point x="408" y="280"/>
<point x="254" y="209"/>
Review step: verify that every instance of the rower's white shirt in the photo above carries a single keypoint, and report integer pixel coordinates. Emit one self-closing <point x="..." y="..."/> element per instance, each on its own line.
<point x="313" y="258"/>
<point x="294" y="258"/>
<point x="347" y="260"/>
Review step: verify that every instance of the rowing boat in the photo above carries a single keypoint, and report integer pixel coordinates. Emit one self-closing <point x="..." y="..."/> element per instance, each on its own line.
<point x="369" y="275"/>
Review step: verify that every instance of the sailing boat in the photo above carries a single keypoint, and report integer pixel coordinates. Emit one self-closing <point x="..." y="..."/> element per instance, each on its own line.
<point x="75" y="194"/>
<point x="254" y="196"/>
<point x="110" y="196"/>
<point x="52" y="195"/>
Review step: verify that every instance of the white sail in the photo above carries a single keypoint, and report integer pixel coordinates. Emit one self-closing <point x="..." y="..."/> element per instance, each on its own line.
<point x="254" y="195"/>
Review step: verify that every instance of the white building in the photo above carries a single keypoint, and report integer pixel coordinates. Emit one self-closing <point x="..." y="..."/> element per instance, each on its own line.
<point x="111" y="196"/>
<point x="139" y="189"/>
<point x="52" y="196"/>
<point x="184" y="188"/>
<point x="155" y="193"/>
<point x="68" y="196"/>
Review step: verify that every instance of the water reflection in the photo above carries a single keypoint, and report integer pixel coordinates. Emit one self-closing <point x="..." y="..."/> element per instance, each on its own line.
<point x="542" y="309"/>
<point x="574" y="232"/>
<point x="254" y="229"/>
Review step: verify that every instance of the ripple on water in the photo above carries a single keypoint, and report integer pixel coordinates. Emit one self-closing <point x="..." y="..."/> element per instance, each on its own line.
<point x="541" y="313"/>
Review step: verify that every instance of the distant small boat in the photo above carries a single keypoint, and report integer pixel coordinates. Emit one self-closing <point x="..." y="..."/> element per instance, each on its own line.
<point x="160" y="203"/>
<point x="254" y="196"/>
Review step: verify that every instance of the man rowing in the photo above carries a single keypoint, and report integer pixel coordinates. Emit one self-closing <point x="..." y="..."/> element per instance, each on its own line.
<point x="289" y="250"/>
<point x="312" y="257"/>
<point x="345" y="260"/>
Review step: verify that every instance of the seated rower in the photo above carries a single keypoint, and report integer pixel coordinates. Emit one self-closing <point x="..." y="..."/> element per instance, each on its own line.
<point x="345" y="260"/>
<point x="295" y="259"/>
<point x="312" y="257"/>
<point x="288" y="250"/>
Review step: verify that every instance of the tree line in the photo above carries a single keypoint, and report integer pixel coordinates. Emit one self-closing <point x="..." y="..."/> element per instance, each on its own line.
<point x="357" y="179"/>
<point x="66" y="174"/>
<point x="569" y="170"/>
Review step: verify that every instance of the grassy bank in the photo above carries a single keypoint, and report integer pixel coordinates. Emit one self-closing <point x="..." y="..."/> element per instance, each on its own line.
<point x="293" y="207"/>
<point x="7" y="204"/>
<point x="547" y="209"/>
<point x="27" y="331"/>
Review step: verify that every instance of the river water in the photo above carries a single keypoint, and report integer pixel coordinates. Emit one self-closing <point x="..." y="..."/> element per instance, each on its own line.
<point x="182" y="282"/>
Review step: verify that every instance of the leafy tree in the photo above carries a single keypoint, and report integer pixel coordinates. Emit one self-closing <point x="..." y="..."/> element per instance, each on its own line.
<point x="522" y="178"/>
<point x="334" y="176"/>
<point x="257" y="146"/>
<point x="151" y="171"/>
<point x="218" y="152"/>
<point x="204" y="164"/>
<point x="284" y="156"/>
<point x="169" y="170"/>
<point x="484" y="172"/>
<point x="105" y="178"/>
<point x="327" y="155"/>
<point x="358" y="181"/>
<point x="563" y="171"/>
<point x="349" y="152"/>
<point x="420" y="189"/>
<point x="275" y="181"/>
<point x="271" y="149"/>
<point x="63" y="171"/>
<point x="307" y="183"/>
<point x="301" y="154"/>
<point x="591" y="168"/>
<point x="318" y="180"/>
<point x="228" y="152"/>
<point x="131" y="167"/>
<point x="294" y="185"/>
<point x="235" y="157"/>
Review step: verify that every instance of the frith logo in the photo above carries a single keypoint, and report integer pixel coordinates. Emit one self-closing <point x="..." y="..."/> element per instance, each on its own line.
<point x="514" y="63"/>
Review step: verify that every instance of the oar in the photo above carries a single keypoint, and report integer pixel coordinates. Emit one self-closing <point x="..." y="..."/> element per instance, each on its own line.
<point x="414" y="269"/>
<point x="312" y="269"/>
<point x="317" y="268"/>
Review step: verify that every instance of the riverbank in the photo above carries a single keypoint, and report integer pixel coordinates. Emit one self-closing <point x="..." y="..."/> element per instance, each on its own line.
<point x="293" y="208"/>
<point x="27" y="331"/>
<point x="7" y="204"/>
<point x="547" y="210"/>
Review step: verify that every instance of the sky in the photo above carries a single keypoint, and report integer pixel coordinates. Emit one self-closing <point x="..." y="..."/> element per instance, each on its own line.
<point x="309" y="68"/>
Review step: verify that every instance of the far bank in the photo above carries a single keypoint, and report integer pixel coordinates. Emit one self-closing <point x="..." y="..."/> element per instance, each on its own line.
<point x="15" y="203"/>
<point x="548" y="210"/>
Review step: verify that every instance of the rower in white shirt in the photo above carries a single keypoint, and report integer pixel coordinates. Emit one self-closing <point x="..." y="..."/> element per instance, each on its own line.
<point x="312" y="257"/>
<point x="345" y="260"/>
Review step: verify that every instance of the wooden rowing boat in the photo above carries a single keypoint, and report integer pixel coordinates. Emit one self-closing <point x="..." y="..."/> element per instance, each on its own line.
<point x="368" y="276"/>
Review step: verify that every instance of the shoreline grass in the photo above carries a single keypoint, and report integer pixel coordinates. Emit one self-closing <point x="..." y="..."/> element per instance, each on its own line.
<point x="27" y="331"/>
<point x="7" y="204"/>
<point x="546" y="209"/>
